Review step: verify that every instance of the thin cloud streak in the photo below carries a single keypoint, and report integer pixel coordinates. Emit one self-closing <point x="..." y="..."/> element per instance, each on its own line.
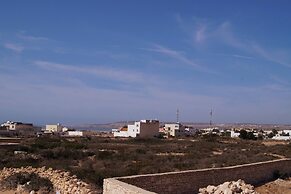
<point x="270" y="56"/>
<point x="242" y="56"/>
<point x="14" y="47"/>
<point x="223" y="33"/>
<point x="179" y="57"/>
<point x="236" y="56"/>
<point x="113" y="74"/>
<point x="31" y="38"/>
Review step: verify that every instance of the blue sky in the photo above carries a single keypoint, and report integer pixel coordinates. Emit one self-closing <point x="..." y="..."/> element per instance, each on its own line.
<point x="104" y="61"/>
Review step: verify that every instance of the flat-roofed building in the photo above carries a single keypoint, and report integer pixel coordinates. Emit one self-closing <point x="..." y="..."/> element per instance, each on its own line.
<point x="54" y="128"/>
<point x="143" y="129"/>
<point x="175" y="129"/>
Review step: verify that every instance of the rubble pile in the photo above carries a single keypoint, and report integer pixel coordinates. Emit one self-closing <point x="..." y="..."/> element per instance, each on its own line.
<point x="63" y="182"/>
<point x="233" y="187"/>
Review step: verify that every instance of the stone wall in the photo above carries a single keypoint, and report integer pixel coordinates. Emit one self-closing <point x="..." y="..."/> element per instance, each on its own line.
<point x="62" y="181"/>
<point x="190" y="181"/>
<point x="114" y="186"/>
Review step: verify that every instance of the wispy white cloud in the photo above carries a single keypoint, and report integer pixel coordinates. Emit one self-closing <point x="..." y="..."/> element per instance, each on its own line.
<point x="273" y="56"/>
<point x="280" y="80"/>
<point x="196" y="29"/>
<point x="200" y="34"/>
<point x="104" y="72"/>
<point x="31" y="38"/>
<point x="179" y="56"/>
<point x="14" y="47"/>
<point x="236" y="56"/>
<point x="242" y="56"/>
<point x="223" y="33"/>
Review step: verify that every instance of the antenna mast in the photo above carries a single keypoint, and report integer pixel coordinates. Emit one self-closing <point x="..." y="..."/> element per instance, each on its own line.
<point x="177" y="114"/>
<point x="211" y="113"/>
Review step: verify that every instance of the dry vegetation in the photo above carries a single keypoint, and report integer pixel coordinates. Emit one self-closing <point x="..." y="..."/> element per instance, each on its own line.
<point x="93" y="159"/>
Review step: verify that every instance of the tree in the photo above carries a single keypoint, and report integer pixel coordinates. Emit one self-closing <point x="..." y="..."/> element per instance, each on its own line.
<point x="247" y="135"/>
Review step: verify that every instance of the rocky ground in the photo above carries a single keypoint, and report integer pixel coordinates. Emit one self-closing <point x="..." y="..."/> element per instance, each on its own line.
<point x="232" y="187"/>
<point x="43" y="180"/>
<point x="278" y="186"/>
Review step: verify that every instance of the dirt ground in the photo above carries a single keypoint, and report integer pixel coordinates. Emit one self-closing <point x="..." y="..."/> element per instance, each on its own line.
<point x="273" y="143"/>
<point x="278" y="186"/>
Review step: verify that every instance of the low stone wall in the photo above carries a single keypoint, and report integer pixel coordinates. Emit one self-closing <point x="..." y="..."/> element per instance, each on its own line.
<point x="62" y="181"/>
<point x="190" y="181"/>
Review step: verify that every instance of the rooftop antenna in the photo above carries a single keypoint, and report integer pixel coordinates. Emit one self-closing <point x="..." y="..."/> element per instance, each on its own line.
<point x="177" y="114"/>
<point x="211" y="113"/>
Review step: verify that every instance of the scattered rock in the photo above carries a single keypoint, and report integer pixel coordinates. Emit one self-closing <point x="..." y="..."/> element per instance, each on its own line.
<point x="233" y="187"/>
<point x="24" y="178"/>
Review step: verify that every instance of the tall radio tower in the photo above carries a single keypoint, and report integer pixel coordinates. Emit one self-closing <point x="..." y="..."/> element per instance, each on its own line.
<point x="211" y="113"/>
<point x="177" y="114"/>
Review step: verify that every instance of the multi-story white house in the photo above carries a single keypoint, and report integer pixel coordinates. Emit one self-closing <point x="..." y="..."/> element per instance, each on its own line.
<point x="175" y="130"/>
<point x="54" y="128"/>
<point x="143" y="129"/>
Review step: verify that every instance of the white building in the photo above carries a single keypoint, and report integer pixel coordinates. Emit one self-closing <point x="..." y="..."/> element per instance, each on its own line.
<point x="54" y="128"/>
<point x="143" y="128"/>
<point x="75" y="133"/>
<point x="287" y="132"/>
<point x="175" y="130"/>
<point x="234" y="134"/>
<point x="65" y="129"/>
<point x="281" y="138"/>
<point x="121" y="132"/>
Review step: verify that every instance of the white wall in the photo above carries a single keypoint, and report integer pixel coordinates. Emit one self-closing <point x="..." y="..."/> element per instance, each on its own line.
<point x="75" y="133"/>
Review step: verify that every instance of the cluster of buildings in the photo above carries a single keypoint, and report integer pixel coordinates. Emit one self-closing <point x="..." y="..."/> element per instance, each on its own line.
<point x="146" y="129"/>
<point x="12" y="128"/>
<point x="284" y="134"/>
<point x="61" y="130"/>
<point x="274" y="134"/>
<point x="152" y="128"/>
